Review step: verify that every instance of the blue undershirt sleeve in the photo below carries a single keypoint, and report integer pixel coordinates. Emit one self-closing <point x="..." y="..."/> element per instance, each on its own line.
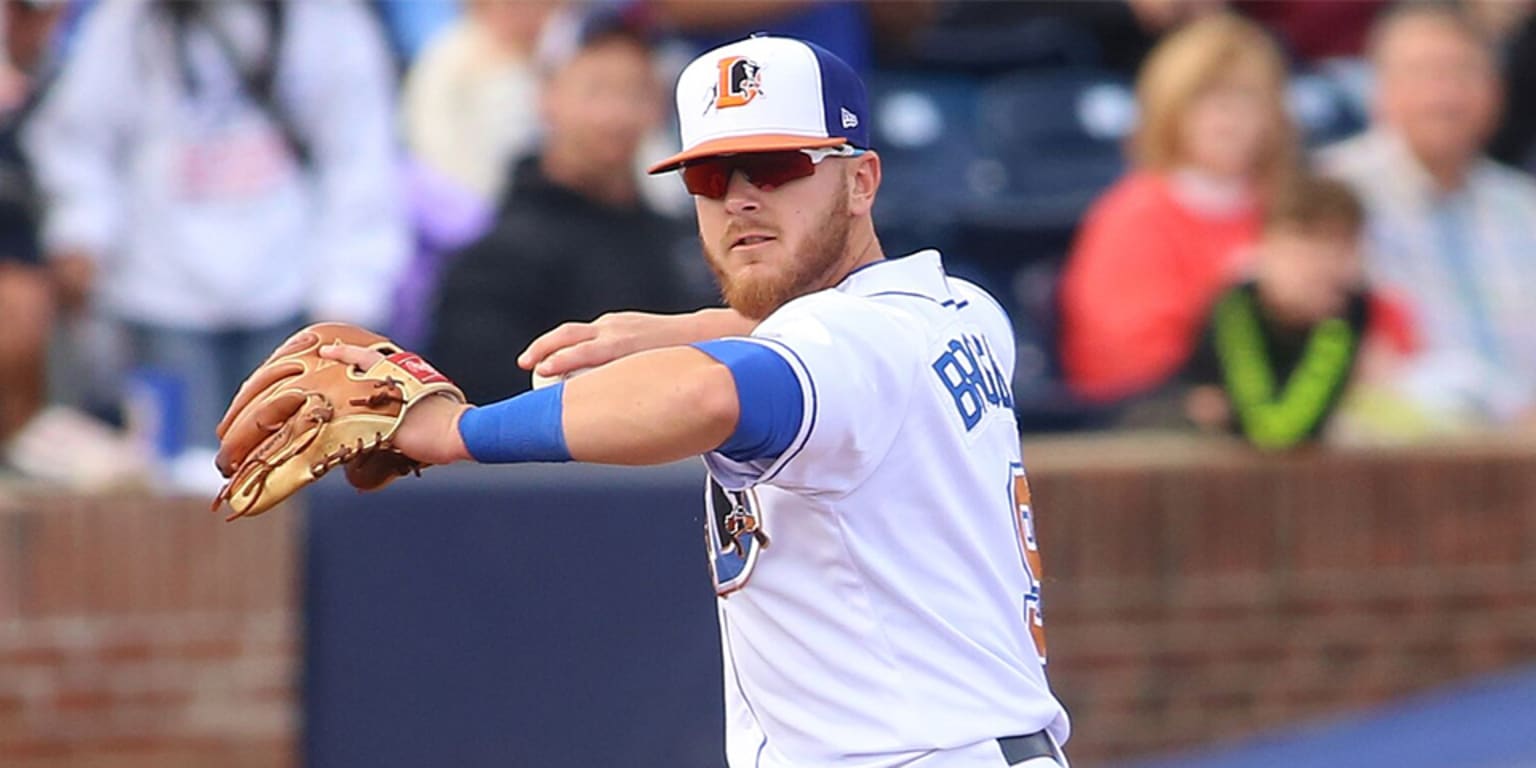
<point x="772" y="404"/>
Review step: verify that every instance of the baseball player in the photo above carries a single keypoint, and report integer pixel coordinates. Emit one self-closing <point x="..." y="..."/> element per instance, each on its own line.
<point x="869" y="526"/>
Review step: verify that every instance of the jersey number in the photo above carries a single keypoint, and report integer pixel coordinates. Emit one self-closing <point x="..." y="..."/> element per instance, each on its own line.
<point x="1024" y="521"/>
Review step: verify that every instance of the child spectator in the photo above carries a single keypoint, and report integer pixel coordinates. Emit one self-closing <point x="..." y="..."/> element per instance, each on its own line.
<point x="1280" y="350"/>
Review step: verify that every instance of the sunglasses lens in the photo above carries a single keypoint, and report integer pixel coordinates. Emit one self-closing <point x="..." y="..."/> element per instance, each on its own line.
<point x="765" y="170"/>
<point x="775" y="169"/>
<point x="708" y="178"/>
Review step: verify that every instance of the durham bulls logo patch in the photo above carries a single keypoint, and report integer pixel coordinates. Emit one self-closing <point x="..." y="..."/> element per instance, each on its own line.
<point x="733" y="529"/>
<point x="741" y="80"/>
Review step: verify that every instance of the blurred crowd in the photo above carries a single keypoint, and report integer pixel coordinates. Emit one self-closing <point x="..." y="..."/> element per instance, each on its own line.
<point x="1284" y="220"/>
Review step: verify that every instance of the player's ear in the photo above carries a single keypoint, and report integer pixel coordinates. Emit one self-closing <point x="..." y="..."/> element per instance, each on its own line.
<point x="863" y="183"/>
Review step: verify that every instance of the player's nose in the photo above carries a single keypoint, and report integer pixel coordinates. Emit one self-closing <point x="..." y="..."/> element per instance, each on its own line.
<point x="741" y="196"/>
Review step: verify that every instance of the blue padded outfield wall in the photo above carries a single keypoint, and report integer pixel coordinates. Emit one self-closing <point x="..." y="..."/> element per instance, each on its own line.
<point x="1482" y="723"/>
<point x="512" y="616"/>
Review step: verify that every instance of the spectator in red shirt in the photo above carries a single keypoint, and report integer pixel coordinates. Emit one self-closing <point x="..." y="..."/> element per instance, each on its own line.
<point x="1161" y="244"/>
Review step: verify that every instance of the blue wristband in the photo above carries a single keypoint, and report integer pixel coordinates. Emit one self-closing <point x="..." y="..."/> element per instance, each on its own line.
<point x="524" y="428"/>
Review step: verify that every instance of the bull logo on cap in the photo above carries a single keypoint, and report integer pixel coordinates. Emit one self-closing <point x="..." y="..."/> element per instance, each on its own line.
<point x="740" y="82"/>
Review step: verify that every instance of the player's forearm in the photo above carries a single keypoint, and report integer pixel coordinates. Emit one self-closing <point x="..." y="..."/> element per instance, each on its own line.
<point x="648" y="408"/>
<point x="574" y="347"/>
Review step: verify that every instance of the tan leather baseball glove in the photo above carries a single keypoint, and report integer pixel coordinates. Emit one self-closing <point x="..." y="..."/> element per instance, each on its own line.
<point x="299" y="416"/>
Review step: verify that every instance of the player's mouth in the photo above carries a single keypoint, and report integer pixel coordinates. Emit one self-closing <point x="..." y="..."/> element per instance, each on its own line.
<point x="751" y="241"/>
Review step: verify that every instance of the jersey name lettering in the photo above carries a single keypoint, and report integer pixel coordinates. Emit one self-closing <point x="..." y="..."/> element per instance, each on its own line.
<point x="970" y="372"/>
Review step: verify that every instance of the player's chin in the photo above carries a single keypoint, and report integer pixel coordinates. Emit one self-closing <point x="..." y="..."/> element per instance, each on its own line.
<point x="754" y="269"/>
<point x="759" y="279"/>
<point x="758" y="291"/>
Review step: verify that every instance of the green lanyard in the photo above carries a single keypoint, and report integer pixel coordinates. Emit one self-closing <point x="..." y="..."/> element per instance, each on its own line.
<point x="1273" y="421"/>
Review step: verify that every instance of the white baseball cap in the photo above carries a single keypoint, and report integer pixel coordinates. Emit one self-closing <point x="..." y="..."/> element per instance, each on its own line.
<point x="765" y="94"/>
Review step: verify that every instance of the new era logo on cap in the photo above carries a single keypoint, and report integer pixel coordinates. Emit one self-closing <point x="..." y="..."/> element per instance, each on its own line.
<point x="767" y="93"/>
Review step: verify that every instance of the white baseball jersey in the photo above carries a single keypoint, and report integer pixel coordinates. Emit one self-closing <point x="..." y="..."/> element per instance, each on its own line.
<point x="886" y="610"/>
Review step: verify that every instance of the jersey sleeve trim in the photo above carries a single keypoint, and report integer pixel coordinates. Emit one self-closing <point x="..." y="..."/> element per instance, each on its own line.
<point x="949" y="303"/>
<point x="808" y="395"/>
<point x="970" y="287"/>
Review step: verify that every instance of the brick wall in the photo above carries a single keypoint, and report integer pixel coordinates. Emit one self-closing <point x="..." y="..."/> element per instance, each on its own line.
<point x="144" y="632"/>
<point x="1196" y="594"/>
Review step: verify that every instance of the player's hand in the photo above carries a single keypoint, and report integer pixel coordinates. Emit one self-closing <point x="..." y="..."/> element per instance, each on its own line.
<point x="576" y="346"/>
<point x="430" y="431"/>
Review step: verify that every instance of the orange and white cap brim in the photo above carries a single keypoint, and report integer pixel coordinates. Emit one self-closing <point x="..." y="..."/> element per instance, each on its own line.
<point x="744" y="144"/>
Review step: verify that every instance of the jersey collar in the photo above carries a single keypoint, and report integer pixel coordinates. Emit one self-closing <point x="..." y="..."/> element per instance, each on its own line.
<point x="921" y="273"/>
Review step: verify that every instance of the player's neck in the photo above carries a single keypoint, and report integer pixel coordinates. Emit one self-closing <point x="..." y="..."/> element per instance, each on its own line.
<point x="863" y="249"/>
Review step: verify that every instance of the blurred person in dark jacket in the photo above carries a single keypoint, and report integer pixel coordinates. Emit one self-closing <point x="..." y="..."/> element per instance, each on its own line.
<point x="1281" y="349"/>
<point x="573" y="238"/>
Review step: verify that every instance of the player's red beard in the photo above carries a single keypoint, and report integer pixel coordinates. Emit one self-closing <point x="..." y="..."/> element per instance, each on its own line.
<point x="808" y="269"/>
